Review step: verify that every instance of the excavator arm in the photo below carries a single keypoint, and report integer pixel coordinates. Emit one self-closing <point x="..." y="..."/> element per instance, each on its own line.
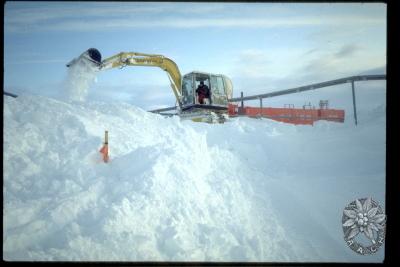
<point x="92" y="59"/>
<point x="140" y="59"/>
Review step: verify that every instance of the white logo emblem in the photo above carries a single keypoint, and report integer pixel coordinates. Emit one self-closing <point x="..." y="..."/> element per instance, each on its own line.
<point x="364" y="217"/>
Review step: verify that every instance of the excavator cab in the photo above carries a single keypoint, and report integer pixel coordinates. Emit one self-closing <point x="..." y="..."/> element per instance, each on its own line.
<point x="220" y="90"/>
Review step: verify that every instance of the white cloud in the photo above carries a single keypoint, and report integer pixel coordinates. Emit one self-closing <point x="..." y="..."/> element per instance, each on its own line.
<point x="348" y="50"/>
<point x="251" y="63"/>
<point x="39" y="61"/>
<point x="109" y="18"/>
<point x="56" y="16"/>
<point x="259" y="71"/>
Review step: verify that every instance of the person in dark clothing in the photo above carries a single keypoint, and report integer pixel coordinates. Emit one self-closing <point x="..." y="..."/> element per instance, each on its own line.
<point x="203" y="92"/>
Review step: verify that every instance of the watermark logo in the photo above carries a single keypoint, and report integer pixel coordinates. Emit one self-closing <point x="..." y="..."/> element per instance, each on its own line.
<point x="364" y="226"/>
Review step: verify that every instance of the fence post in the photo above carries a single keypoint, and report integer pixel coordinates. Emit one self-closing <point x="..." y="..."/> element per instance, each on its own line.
<point x="261" y="106"/>
<point x="241" y="108"/>
<point x="354" y="101"/>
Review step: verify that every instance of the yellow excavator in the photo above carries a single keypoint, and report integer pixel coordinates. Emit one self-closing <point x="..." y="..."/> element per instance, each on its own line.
<point x="213" y="109"/>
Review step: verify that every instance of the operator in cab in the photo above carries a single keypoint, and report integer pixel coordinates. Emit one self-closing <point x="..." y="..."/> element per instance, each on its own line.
<point x="203" y="93"/>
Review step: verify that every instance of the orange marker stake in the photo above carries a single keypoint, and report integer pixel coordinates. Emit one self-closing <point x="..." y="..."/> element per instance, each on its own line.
<point x="104" y="149"/>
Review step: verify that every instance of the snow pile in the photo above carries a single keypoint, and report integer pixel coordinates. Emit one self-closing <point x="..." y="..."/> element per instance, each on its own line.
<point x="246" y="190"/>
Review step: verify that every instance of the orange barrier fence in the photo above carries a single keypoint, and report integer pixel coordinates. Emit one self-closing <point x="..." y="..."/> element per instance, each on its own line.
<point x="289" y="115"/>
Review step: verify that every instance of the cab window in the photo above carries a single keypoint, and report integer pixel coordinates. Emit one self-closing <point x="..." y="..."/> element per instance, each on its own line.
<point x="217" y="85"/>
<point x="187" y="90"/>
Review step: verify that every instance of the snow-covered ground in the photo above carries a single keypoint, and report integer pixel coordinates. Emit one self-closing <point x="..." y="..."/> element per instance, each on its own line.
<point x="246" y="190"/>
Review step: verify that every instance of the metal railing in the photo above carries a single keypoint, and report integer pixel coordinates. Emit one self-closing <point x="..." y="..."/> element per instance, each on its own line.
<point x="311" y="87"/>
<point x="9" y="94"/>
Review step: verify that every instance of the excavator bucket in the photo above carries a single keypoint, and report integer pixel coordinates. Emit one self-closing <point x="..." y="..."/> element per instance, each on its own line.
<point x="91" y="56"/>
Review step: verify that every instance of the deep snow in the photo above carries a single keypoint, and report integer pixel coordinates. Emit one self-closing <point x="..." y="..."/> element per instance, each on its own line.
<point x="246" y="190"/>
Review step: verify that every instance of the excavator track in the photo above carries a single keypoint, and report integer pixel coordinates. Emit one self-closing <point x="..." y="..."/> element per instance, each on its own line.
<point x="204" y="115"/>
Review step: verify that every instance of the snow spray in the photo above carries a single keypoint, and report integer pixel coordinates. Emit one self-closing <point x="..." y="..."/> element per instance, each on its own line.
<point x="81" y="76"/>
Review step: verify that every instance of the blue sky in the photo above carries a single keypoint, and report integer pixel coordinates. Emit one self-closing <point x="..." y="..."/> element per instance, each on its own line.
<point x="262" y="46"/>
